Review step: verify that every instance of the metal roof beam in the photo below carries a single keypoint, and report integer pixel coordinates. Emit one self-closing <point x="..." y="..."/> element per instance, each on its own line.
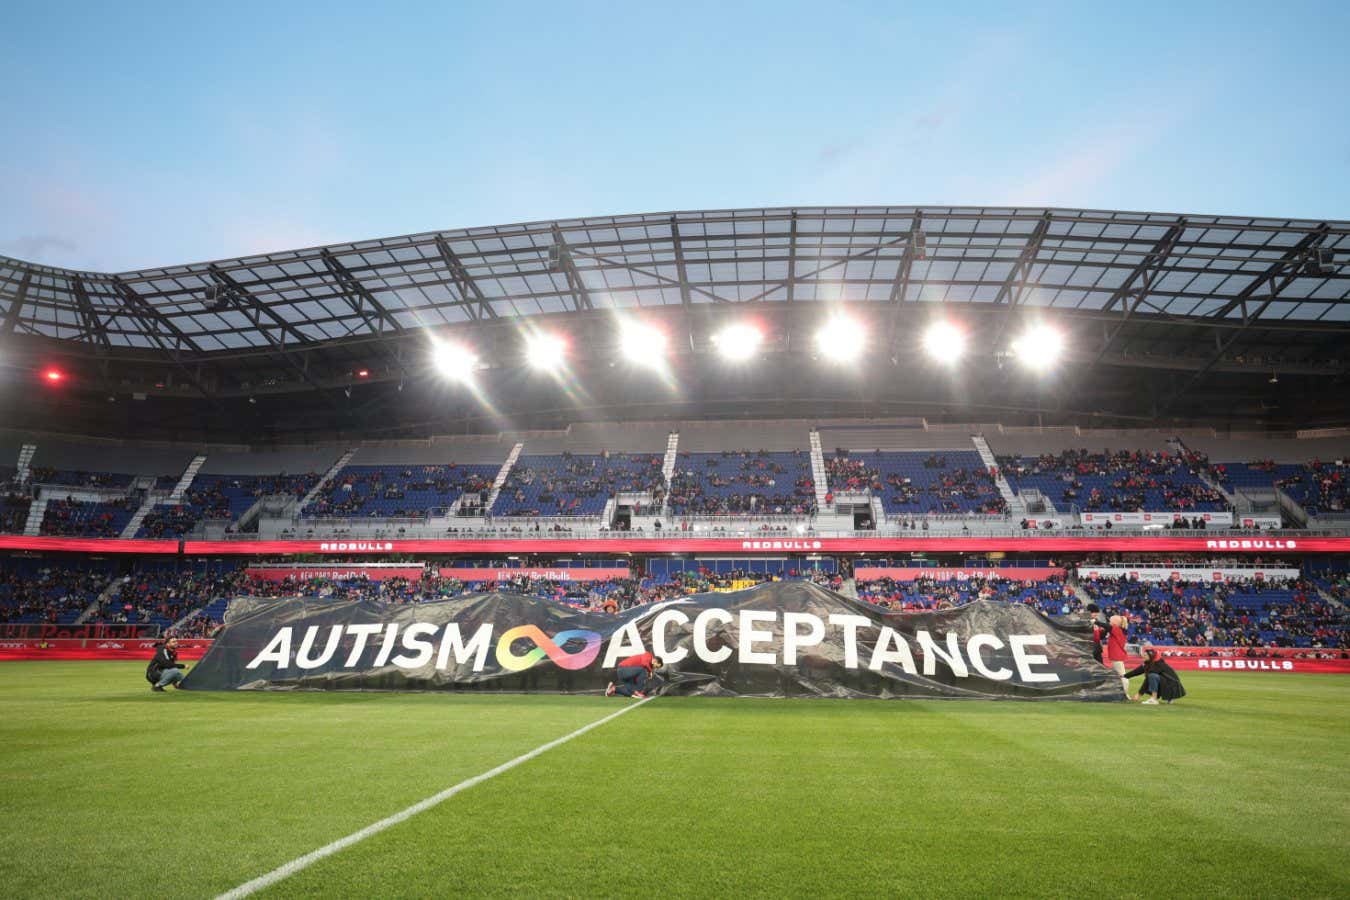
<point x="350" y="285"/>
<point x="1150" y="268"/>
<point x="92" y="325"/>
<point x="16" y="305"/>
<point x="1222" y="345"/>
<point x="581" y="297"/>
<point x="149" y="317"/>
<point x="679" y="262"/>
<point x="1295" y="255"/>
<point x="468" y="288"/>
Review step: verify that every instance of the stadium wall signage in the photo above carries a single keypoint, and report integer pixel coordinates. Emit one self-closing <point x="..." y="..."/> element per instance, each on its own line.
<point x="1166" y="573"/>
<point x="773" y="640"/>
<point x="1098" y="542"/>
<point x="371" y="572"/>
<point x="943" y="573"/>
<point x="560" y="573"/>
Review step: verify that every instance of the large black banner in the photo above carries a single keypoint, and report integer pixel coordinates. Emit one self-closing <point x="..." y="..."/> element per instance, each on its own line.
<point x="774" y="640"/>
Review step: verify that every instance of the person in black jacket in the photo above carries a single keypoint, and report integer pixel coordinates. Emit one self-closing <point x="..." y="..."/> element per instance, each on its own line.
<point x="164" y="668"/>
<point x="1160" y="679"/>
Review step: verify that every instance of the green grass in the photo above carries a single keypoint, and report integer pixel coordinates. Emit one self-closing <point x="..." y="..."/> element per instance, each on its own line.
<point x="109" y="790"/>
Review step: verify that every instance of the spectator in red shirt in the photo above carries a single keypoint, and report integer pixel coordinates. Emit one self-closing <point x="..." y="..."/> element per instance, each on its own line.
<point x="1115" y="654"/>
<point x="632" y="676"/>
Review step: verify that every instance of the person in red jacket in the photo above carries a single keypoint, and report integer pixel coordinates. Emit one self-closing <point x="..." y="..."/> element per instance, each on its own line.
<point x="1114" y="653"/>
<point x="632" y="676"/>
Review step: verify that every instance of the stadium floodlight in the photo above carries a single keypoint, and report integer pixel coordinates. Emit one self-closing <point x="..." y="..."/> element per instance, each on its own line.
<point x="546" y="352"/>
<point x="738" y="342"/>
<point x="944" y="342"/>
<point x="454" y="361"/>
<point x="1039" y="347"/>
<point x="642" y="344"/>
<point x="840" y="339"/>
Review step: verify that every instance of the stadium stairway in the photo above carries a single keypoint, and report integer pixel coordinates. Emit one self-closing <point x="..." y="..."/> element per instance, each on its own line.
<point x="668" y="466"/>
<point x="502" y="474"/>
<point x="23" y="469"/>
<point x="104" y="596"/>
<point x="818" y="473"/>
<point x="179" y="489"/>
<point x="1017" y="507"/>
<point x="37" y="511"/>
<point x="327" y="477"/>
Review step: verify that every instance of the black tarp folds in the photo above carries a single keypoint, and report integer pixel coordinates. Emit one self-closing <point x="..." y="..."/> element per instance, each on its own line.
<point x="791" y="639"/>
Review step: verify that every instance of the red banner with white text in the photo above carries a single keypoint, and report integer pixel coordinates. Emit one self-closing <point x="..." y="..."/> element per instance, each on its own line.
<point x="372" y="572"/>
<point x="109" y="648"/>
<point x="578" y="574"/>
<point x="942" y="573"/>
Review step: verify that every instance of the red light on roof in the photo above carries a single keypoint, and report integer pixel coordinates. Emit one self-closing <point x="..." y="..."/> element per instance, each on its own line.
<point x="54" y="376"/>
<point x="362" y="373"/>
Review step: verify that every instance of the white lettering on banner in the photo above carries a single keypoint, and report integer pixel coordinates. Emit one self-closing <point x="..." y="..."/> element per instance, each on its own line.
<point x="666" y="654"/>
<point x="882" y="652"/>
<point x="780" y="545"/>
<point x="390" y="632"/>
<point x="701" y="648"/>
<point x="793" y="640"/>
<point x="355" y="545"/>
<point x="477" y="647"/>
<point x="1024" y="660"/>
<point x="626" y="642"/>
<point x="416" y="638"/>
<point x="302" y="657"/>
<point x="850" y="624"/>
<point x="977" y="643"/>
<point x="750" y="634"/>
<point x="932" y="653"/>
<point x="1247" y="665"/>
<point x="278" y="650"/>
<point x="1159" y="574"/>
<point x="756" y="645"/>
<point x="1252" y="544"/>
<point x="362" y="632"/>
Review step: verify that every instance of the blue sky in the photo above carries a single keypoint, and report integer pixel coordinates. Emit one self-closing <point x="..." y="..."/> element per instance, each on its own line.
<point x="153" y="134"/>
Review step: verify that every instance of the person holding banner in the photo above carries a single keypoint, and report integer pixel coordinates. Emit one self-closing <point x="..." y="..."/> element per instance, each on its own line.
<point x="632" y="676"/>
<point x="1114" y="654"/>
<point x="1160" y="679"/>
<point x="164" y="668"/>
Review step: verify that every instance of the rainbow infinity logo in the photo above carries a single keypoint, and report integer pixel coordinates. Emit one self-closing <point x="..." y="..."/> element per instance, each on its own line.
<point x="546" y="646"/>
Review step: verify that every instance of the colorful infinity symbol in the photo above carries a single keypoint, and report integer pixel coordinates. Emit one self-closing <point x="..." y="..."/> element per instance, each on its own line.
<point x="546" y="646"/>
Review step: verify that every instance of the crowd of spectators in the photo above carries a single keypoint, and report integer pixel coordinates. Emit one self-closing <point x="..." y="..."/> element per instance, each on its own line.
<point x="1117" y="481"/>
<point x="938" y="484"/>
<point x="397" y="491"/>
<point x="1051" y="595"/>
<point x="13" y="513"/>
<point x="742" y="482"/>
<point x="79" y="518"/>
<point x="1255" y="613"/>
<point x="577" y="485"/>
<point x="41" y="592"/>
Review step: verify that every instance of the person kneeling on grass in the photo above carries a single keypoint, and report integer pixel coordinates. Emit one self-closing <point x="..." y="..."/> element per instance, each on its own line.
<point x="1160" y="679"/>
<point x="632" y="676"/>
<point x="164" y="668"/>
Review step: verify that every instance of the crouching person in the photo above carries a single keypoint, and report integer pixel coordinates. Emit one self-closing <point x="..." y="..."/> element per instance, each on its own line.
<point x="164" y="668"/>
<point x="1160" y="679"/>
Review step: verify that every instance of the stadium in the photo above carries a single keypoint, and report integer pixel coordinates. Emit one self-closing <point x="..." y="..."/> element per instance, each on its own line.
<point x="944" y="416"/>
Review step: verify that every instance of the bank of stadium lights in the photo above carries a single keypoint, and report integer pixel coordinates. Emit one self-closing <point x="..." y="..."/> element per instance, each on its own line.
<point x="1039" y="347"/>
<point x="545" y="352"/>
<point x="642" y="344"/>
<point x="944" y="342"/>
<point x="840" y="339"/>
<point x="738" y="342"/>
<point x="455" y="361"/>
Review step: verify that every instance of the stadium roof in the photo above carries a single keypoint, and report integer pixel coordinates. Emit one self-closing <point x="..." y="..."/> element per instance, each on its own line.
<point x="1190" y="294"/>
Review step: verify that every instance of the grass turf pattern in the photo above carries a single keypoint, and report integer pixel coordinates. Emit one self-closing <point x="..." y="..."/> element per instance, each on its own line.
<point x="110" y="790"/>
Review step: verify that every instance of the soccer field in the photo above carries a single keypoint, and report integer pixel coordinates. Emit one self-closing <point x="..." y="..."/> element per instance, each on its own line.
<point x="110" y="790"/>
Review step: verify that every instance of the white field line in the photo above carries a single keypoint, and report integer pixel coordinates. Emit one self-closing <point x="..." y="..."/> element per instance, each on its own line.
<point x="309" y="859"/>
